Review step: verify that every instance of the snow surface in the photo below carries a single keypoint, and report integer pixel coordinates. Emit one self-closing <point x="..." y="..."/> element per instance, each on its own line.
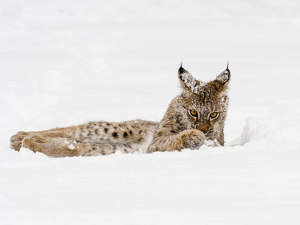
<point x="70" y="62"/>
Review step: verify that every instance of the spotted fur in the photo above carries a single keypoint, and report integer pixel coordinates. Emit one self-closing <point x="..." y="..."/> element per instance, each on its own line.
<point x="177" y="130"/>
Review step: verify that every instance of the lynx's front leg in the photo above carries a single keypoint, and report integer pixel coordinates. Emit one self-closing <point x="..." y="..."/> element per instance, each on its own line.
<point x="192" y="139"/>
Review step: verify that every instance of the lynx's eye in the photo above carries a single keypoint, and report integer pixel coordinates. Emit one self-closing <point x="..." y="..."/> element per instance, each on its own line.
<point x="214" y="115"/>
<point x="193" y="113"/>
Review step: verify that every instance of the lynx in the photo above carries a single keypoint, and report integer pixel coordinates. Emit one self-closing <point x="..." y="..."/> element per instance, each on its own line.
<point x="196" y="115"/>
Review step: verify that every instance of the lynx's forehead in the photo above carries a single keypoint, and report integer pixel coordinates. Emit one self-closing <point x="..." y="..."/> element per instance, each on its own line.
<point x="204" y="100"/>
<point x="202" y="93"/>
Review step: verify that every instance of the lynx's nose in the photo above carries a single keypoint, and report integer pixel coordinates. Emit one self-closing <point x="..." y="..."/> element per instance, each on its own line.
<point x="204" y="128"/>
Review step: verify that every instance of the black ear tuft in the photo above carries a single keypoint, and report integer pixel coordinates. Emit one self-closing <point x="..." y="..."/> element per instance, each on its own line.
<point x="181" y="69"/>
<point x="227" y="69"/>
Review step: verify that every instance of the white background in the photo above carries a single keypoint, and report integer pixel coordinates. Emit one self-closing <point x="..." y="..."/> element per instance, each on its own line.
<point x="69" y="62"/>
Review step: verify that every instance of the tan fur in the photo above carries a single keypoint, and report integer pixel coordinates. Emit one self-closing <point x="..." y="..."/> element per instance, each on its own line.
<point x="177" y="130"/>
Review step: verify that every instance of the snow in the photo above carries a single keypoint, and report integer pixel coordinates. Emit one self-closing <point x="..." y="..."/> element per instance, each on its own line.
<point x="71" y="146"/>
<point x="276" y="129"/>
<point x="69" y="62"/>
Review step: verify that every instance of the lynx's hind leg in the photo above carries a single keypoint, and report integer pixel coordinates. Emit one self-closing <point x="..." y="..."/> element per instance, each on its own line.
<point x="55" y="147"/>
<point x="17" y="139"/>
<point x="62" y="147"/>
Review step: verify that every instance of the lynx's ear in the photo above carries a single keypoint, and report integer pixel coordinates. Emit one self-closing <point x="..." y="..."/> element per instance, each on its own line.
<point x="187" y="81"/>
<point x="222" y="80"/>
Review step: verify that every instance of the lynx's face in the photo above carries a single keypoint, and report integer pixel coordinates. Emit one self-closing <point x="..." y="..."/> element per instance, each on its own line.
<point x="204" y="105"/>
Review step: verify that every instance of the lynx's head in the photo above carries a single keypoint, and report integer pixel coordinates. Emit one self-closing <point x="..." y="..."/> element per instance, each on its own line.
<point x="204" y="105"/>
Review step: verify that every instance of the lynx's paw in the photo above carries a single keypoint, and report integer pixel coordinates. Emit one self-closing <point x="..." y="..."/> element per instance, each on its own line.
<point x="35" y="144"/>
<point x="16" y="140"/>
<point x="27" y="140"/>
<point x="191" y="139"/>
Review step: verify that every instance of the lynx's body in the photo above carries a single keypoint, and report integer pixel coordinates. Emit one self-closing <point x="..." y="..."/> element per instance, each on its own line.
<point x="196" y="115"/>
